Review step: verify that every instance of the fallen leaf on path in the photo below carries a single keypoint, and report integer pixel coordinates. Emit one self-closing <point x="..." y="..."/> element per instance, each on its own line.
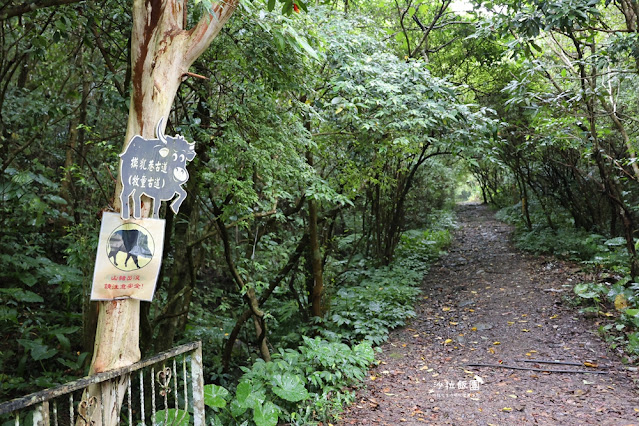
<point x="525" y="330"/>
<point x="591" y="364"/>
<point x="621" y="303"/>
<point x="496" y="343"/>
<point x="506" y="409"/>
<point x="447" y="341"/>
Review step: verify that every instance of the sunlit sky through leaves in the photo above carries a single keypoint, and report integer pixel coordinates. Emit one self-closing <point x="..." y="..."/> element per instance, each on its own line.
<point x="461" y="6"/>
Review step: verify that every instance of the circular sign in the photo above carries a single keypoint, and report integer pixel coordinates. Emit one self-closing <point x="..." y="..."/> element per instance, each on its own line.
<point x="130" y="247"/>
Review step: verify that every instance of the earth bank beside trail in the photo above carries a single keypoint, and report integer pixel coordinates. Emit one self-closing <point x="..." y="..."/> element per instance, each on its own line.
<point x="487" y="303"/>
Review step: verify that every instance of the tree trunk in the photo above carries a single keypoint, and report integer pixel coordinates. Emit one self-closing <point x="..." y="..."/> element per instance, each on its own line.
<point x="249" y="296"/>
<point x="161" y="53"/>
<point x="316" y="268"/>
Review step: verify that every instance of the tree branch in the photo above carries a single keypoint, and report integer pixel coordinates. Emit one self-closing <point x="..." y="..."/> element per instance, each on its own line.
<point x="201" y="36"/>
<point x="27" y="7"/>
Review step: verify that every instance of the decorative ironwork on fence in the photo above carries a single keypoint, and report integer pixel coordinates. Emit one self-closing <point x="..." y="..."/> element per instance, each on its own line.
<point x="180" y="397"/>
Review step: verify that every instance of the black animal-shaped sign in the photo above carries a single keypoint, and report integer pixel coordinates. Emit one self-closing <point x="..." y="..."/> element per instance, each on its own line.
<point x="133" y="242"/>
<point x="155" y="168"/>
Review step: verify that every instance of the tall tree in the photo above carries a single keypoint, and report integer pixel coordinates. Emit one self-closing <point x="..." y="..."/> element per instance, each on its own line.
<point x="162" y="50"/>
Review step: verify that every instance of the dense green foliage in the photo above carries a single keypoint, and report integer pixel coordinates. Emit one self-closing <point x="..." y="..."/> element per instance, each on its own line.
<point x="313" y="381"/>
<point x="306" y="121"/>
<point x="325" y="141"/>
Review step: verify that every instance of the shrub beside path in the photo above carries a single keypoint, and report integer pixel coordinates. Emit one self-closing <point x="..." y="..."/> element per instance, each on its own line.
<point x="487" y="303"/>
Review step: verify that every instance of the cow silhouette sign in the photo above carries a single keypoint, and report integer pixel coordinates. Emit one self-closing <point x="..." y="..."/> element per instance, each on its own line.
<point x="155" y="168"/>
<point x="130" y="247"/>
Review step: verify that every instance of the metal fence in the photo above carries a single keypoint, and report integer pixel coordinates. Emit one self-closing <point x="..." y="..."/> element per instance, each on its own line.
<point x="156" y="391"/>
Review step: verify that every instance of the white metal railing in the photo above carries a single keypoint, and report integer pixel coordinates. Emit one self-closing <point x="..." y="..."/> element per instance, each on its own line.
<point x="179" y="397"/>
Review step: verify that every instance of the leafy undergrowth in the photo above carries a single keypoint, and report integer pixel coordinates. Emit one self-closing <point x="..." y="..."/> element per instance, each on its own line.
<point x="618" y="301"/>
<point x="611" y="293"/>
<point x="312" y="383"/>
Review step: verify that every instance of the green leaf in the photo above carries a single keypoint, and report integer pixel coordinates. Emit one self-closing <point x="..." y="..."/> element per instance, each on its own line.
<point x="616" y="242"/>
<point x="303" y="43"/>
<point x="74" y="365"/>
<point x="216" y="421"/>
<point x="64" y="341"/>
<point x="8" y="314"/>
<point x="237" y="408"/>
<point x="173" y="418"/>
<point x="632" y="312"/>
<point x="287" y="7"/>
<point x="242" y="393"/>
<point x="28" y="297"/>
<point x="271" y="5"/>
<point x="43" y="352"/>
<point x="38" y="349"/>
<point x="266" y="415"/>
<point x="215" y="396"/>
<point x="585" y="291"/>
<point x="57" y="199"/>
<point x="289" y="387"/>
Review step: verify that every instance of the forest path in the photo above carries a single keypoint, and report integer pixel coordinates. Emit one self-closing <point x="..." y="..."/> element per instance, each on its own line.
<point x="487" y="303"/>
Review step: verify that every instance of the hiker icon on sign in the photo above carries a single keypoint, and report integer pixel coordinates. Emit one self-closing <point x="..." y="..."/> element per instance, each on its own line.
<point x="130" y="247"/>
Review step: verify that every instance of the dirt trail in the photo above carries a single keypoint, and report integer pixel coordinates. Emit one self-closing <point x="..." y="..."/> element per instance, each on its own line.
<point x="487" y="303"/>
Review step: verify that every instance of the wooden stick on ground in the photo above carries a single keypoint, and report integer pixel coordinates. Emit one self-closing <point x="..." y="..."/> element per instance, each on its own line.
<point x="541" y="361"/>
<point x="542" y="370"/>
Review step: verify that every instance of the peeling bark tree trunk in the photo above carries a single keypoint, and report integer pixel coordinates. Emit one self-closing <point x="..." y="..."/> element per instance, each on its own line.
<point x="162" y="51"/>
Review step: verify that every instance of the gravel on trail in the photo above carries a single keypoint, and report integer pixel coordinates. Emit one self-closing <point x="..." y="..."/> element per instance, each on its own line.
<point x="486" y="311"/>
